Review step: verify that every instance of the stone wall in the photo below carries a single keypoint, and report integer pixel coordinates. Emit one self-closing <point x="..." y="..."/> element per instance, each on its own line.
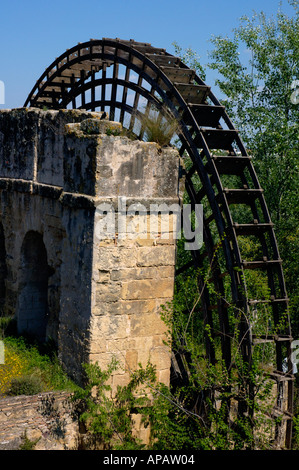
<point x="104" y="292"/>
<point x="133" y="272"/>
<point x="44" y="419"/>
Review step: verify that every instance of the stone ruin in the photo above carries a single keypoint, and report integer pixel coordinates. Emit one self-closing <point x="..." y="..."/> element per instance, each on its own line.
<point x="95" y="295"/>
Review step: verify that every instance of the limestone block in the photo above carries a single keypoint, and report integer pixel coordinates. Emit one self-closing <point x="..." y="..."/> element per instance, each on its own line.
<point x="102" y="276"/>
<point x="160" y="356"/>
<point x="137" y="307"/>
<point x="108" y="258"/>
<point x="143" y="345"/>
<point x="17" y="143"/>
<point x="138" y="169"/>
<point x="131" y="360"/>
<point x="147" y="289"/>
<point x="80" y="160"/>
<point x="108" y="308"/>
<point x="108" y="292"/>
<point x="119" y="380"/>
<point x="147" y="272"/>
<point x="98" y="345"/>
<point x="140" y="431"/>
<point x="113" y="327"/>
<point x="156" y="256"/>
<point x="164" y="376"/>
<point x="105" y="359"/>
<point x="98" y="126"/>
<point x="147" y="324"/>
<point x="121" y="344"/>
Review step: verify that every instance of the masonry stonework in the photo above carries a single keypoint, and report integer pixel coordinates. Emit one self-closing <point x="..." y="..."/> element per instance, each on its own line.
<point x="47" y="420"/>
<point x="64" y="275"/>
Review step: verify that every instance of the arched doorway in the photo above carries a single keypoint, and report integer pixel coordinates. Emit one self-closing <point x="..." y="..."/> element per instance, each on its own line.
<point x="32" y="306"/>
<point x="3" y="271"/>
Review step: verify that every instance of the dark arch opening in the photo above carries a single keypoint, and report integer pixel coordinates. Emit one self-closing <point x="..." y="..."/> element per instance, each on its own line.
<point x="3" y="271"/>
<point x="32" y="310"/>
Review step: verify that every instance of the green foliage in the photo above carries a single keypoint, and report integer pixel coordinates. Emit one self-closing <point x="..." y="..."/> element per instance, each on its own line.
<point x="28" y="444"/>
<point x="25" y="385"/>
<point x="258" y="70"/>
<point x="7" y="326"/>
<point x="177" y="419"/>
<point x="191" y="59"/>
<point x="38" y="366"/>
<point x="109" y="419"/>
<point x="260" y="90"/>
<point x="158" y="128"/>
<point x="114" y="132"/>
<point x="296" y="427"/>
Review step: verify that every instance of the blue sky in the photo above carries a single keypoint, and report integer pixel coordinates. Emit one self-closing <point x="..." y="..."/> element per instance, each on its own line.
<point x="34" y="33"/>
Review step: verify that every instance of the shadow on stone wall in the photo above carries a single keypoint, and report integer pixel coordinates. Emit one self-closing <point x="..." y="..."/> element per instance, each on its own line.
<point x="46" y="419"/>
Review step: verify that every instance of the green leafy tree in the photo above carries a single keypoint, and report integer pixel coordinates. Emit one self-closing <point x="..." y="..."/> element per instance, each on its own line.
<point x="108" y="420"/>
<point x="190" y="58"/>
<point x="259" y="76"/>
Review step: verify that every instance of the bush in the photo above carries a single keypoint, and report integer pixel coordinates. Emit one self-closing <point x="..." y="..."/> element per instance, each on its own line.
<point x="27" y="444"/>
<point x="25" y="385"/>
<point x="109" y="420"/>
<point x="23" y="359"/>
<point x="158" y="128"/>
<point x="13" y="368"/>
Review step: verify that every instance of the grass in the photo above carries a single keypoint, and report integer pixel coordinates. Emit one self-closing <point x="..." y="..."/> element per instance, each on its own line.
<point x="158" y="129"/>
<point x="28" y="369"/>
<point x="153" y="126"/>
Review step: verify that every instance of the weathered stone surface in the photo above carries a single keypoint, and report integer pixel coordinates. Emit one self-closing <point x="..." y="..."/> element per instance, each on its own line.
<point x="97" y="126"/>
<point x="148" y="272"/>
<point x="156" y="256"/>
<point x="47" y="419"/>
<point x="116" y="257"/>
<point x="147" y="289"/>
<point x="103" y="292"/>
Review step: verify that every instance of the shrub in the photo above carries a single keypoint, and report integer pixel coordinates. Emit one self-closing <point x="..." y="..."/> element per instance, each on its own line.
<point x="107" y="420"/>
<point x="27" y="444"/>
<point x="157" y="128"/>
<point x="23" y="359"/>
<point x="12" y="368"/>
<point x="25" y="385"/>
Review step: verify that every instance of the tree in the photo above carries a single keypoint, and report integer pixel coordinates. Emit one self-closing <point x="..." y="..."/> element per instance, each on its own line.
<point x="190" y="58"/>
<point x="258" y="78"/>
<point x="259" y="72"/>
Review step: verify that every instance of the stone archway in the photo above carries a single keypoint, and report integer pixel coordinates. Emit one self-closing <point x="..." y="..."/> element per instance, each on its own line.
<point x="32" y="308"/>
